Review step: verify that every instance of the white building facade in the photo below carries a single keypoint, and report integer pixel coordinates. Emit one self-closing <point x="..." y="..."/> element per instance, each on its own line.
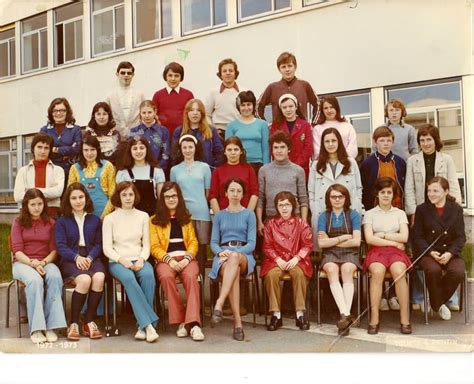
<point x="365" y="52"/>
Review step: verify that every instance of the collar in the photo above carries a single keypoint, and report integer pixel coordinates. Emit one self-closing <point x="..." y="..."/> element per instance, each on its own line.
<point x="377" y="208"/>
<point x="383" y="158"/>
<point x="280" y="220"/>
<point x="223" y="87"/>
<point x="31" y="164"/>
<point x="288" y="83"/>
<point x="284" y="162"/>
<point x="177" y="89"/>
<point x="51" y="126"/>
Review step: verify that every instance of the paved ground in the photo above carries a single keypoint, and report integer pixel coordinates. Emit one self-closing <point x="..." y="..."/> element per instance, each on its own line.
<point x="438" y="336"/>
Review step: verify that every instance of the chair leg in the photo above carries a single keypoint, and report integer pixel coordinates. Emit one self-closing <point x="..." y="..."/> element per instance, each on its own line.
<point x="201" y="286"/>
<point x="367" y="287"/>
<point x="211" y="298"/>
<point x="114" y="303"/>
<point x="318" y="289"/>
<point x="465" y="304"/>
<point x="425" y="297"/>
<point x="163" y="310"/>
<point x="18" y="308"/>
<point x="257" y="287"/>
<point x="7" y="312"/>
<point x="254" y="300"/>
<point x="265" y="302"/>
<point x="357" y="284"/>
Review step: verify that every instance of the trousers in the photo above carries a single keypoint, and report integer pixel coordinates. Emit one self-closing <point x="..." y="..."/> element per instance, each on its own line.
<point x="272" y="285"/>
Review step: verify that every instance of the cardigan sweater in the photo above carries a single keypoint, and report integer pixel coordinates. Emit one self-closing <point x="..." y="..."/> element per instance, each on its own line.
<point x="220" y="106"/>
<point x="67" y="236"/>
<point x="170" y="106"/>
<point x="160" y="236"/>
<point x="36" y="242"/>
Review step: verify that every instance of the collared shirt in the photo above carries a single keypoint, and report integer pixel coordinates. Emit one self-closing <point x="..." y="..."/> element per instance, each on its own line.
<point x="385" y="221"/>
<point x="169" y="89"/>
<point x="80" y="223"/>
<point x="223" y="87"/>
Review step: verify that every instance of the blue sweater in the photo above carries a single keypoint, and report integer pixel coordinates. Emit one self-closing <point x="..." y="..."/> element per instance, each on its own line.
<point x="212" y="149"/>
<point x="254" y="137"/>
<point x="159" y="139"/>
<point x="66" y="233"/>
<point x="68" y="144"/>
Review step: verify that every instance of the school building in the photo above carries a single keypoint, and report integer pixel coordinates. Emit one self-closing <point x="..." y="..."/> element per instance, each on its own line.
<point x="365" y="52"/>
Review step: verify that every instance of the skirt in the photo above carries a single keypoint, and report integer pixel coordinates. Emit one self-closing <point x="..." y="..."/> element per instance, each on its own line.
<point x="203" y="231"/>
<point x="216" y="266"/>
<point x="69" y="268"/>
<point x="341" y="259"/>
<point x="386" y="256"/>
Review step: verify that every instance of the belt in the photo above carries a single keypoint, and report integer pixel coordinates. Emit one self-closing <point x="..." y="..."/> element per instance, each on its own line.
<point x="234" y="243"/>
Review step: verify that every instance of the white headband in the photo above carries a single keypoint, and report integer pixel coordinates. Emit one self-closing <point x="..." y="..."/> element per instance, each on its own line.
<point x="287" y="96"/>
<point x="188" y="137"/>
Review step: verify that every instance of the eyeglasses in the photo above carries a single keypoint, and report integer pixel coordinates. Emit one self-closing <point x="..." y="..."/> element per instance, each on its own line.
<point x="171" y="197"/>
<point x="59" y="110"/>
<point x="124" y="73"/>
<point x="337" y="197"/>
<point x="284" y="205"/>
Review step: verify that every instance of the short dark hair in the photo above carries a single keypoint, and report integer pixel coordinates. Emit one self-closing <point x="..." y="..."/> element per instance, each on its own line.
<point x="237" y="180"/>
<point x="69" y="115"/>
<point x="25" y="218"/>
<point x="280" y="137"/>
<point x="66" y="208"/>
<point x="175" y="67"/>
<point x="91" y="141"/>
<point x="430" y="130"/>
<point x="385" y="182"/>
<point x="106" y="107"/>
<point x="115" y="198"/>
<point x="198" y="154"/>
<point x="286" y="57"/>
<point x="246" y="97"/>
<point x="41" y="137"/>
<point x="125" y="65"/>
<point x="285" y="195"/>
<point x="382" y="131"/>
<point x="444" y="184"/>
<point x="224" y="62"/>
<point x="339" y="188"/>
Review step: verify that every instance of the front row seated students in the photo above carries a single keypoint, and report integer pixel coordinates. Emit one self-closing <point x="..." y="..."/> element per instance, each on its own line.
<point x="78" y="235"/>
<point x="288" y="242"/>
<point x="175" y="246"/>
<point x="233" y="241"/>
<point x="443" y="265"/>
<point x="386" y="231"/>
<point x="126" y="239"/>
<point x="339" y="237"/>
<point x="34" y="253"/>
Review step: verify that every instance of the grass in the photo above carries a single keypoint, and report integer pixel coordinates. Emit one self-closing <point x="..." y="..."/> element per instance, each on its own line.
<point x="5" y="258"/>
<point x="466" y="254"/>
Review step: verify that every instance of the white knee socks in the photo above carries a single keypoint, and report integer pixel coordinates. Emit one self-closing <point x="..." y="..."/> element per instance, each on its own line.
<point x="348" y="289"/>
<point x="338" y="295"/>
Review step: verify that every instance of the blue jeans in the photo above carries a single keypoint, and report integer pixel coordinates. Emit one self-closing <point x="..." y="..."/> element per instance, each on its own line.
<point x="45" y="311"/>
<point x="140" y="289"/>
<point x="417" y="291"/>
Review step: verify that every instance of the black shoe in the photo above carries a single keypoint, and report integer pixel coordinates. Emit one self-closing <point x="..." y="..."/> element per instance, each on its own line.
<point x="373" y="329"/>
<point x="302" y="323"/>
<point x="344" y="322"/>
<point x="238" y="334"/>
<point x="216" y="316"/>
<point x="275" y="323"/>
<point x="405" y="329"/>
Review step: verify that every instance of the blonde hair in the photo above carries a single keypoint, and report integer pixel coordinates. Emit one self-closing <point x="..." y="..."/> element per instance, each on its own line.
<point x="150" y="104"/>
<point x="203" y="125"/>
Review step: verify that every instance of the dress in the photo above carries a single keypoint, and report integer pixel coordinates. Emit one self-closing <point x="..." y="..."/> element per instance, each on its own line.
<point x="233" y="226"/>
<point x="346" y="223"/>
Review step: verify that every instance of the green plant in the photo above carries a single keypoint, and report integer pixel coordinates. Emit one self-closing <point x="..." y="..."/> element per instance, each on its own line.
<point x="5" y="258"/>
<point x="466" y="254"/>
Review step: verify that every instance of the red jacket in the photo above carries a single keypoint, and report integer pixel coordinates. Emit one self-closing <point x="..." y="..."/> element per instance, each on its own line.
<point x="301" y="141"/>
<point x="286" y="239"/>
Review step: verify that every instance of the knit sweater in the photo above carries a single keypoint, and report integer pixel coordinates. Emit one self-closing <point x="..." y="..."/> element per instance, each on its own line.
<point x="36" y="242"/>
<point x="125" y="104"/>
<point x="404" y="143"/>
<point x="254" y="137"/>
<point x="170" y="106"/>
<point x="348" y="135"/>
<point x="126" y="234"/>
<point x="220" y="106"/>
<point x="280" y="176"/>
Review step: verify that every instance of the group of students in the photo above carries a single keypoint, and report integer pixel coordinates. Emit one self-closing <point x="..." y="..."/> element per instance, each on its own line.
<point x="100" y="203"/>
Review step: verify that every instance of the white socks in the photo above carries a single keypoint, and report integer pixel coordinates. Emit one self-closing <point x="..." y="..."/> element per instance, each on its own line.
<point x="299" y="314"/>
<point x="348" y="289"/>
<point x="338" y="295"/>
<point x="277" y="314"/>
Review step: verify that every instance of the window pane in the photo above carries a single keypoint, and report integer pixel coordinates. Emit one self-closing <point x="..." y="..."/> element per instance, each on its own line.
<point x="4" y="171"/>
<point x="252" y="7"/>
<point x="4" y="59"/>
<point x="30" y="52"/>
<point x="364" y="139"/>
<point x="220" y="14"/>
<point x="69" y="32"/>
<point x="27" y="155"/>
<point x="309" y="2"/>
<point x="34" y="23"/>
<point x="101" y="4"/>
<point x="59" y="44"/>
<point x="69" y="12"/>
<point x="419" y="119"/>
<point x="428" y="95"/>
<point x="153" y="20"/>
<point x="103" y="32"/>
<point x="12" y="57"/>
<point x="196" y="14"/>
<point x="44" y="48"/>
<point x="119" y="28"/>
<point x="9" y="33"/>
<point x="354" y="104"/>
<point x="78" y="39"/>
<point x="280" y="4"/>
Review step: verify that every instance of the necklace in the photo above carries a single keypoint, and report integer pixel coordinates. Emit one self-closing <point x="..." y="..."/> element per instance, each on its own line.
<point x="189" y="168"/>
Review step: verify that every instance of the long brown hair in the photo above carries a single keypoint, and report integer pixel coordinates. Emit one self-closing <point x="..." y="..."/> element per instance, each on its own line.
<point x="335" y="104"/>
<point x="66" y="208"/>
<point x="25" y="218"/>
<point x="203" y="125"/>
<point x="128" y="161"/>
<point x="342" y="156"/>
<point x="236" y="141"/>
<point x="69" y="115"/>
<point x="162" y="216"/>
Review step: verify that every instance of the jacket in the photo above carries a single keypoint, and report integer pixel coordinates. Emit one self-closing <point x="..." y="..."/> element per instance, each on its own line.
<point x="301" y="141"/>
<point x="286" y="239"/>
<point x="160" y="238"/>
<point x="159" y="139"/>
<point x="66" y="232"/>
<point x="429" y="225"/>
<point x="415" y="179"/>
<point x="25" y="179"/>
<point x="369" y="172"/>
<point x="68" y="144"/>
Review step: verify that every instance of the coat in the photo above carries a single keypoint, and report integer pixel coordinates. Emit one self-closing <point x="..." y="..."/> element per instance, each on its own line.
<point x="286" y="239"/>
<point x="68" y="144"/>
<point x="415" y="179"/>
<point x="429" y="225"/>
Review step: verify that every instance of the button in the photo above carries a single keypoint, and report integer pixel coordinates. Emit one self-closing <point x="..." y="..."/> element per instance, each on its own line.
<point x="432" y="231"/>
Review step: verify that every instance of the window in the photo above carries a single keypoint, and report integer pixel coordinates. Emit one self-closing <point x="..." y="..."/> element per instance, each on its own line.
<point x="251" y="8"/>
<point x="68" y="33"/>
<point x="198" y="15"/>
<point x="356" y="109"/>
<point x="7" y="53"/>
<point x="34" y="43"/>
<point x="27" y="155"/>
<point x="108" y="29"/>
<point x="152" y="20"/>
<point x="8" y="169"/>
<point x="311" y="2"/>
<point x="440" y="105"/>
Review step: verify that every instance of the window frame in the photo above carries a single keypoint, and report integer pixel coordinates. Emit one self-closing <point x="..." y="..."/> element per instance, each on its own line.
<point x="212" y="18"/>
<point x="10" y="42"/>
<point x="12" y="156"/>
<point x="113" y="9"/>
<point x="309" y="3"/>
<point x="274" y="11"/>
<point x="31" y="33"/>
<point x="159" y="39"/>
<point x="56" y="47"/>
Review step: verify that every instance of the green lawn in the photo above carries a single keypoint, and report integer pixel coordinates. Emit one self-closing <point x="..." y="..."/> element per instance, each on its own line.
<point x="5" y="259"/>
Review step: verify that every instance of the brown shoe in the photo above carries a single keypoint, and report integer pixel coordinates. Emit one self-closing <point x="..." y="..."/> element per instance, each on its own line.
<point x="92" y="330"/>
<point x="73" y="332"/>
